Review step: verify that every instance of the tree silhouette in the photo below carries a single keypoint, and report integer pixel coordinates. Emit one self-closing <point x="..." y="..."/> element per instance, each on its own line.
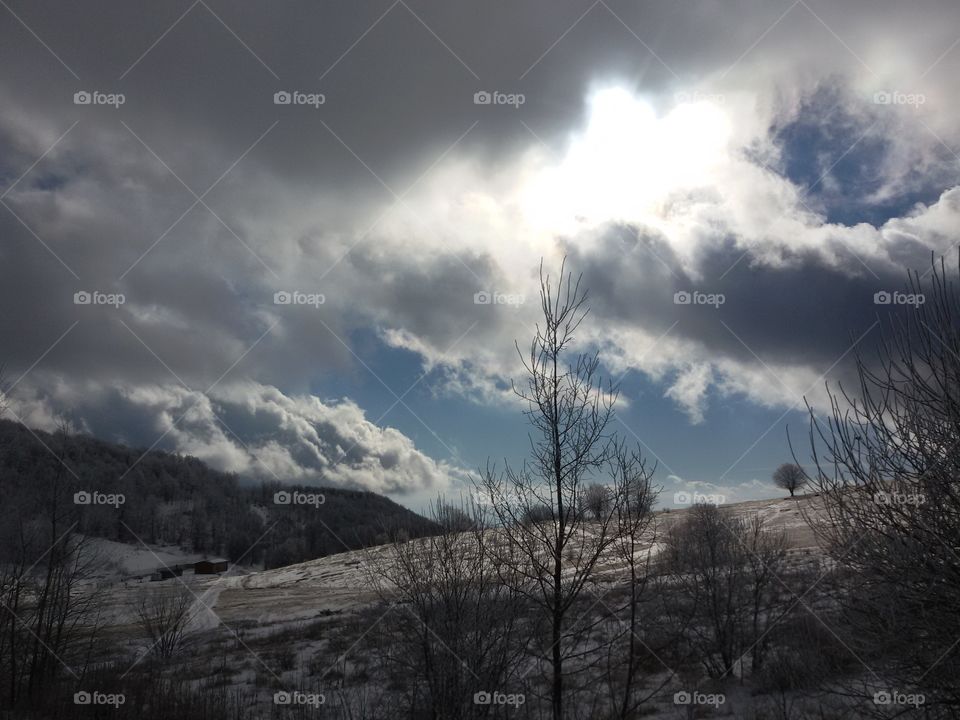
<point x="789" y="476"/>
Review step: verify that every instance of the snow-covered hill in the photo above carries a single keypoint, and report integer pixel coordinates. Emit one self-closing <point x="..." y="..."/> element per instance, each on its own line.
<point x="340" y="582"/>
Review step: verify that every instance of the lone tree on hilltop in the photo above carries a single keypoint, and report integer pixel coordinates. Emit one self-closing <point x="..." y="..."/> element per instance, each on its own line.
<point x="789" y="476"/>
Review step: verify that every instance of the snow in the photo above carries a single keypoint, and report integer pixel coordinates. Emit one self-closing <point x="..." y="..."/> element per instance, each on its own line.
<point x="115" y="560"/>
<point x="341" y="583"/>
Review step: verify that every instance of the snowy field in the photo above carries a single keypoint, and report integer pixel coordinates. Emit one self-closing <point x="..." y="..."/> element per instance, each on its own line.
<point x="272" y="599"/>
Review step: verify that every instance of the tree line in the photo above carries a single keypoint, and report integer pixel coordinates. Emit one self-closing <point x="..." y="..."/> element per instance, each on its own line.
<point x="173" y="499"/>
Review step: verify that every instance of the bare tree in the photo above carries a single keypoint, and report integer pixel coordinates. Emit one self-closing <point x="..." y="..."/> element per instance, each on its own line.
<point x="569" y="412"/>
<point x="888" y="460"/>
<point x="164" y="614"/>
<point x="454" y="518"/>
<point x="771" y="585"/>
<point x="789" y="476"/>
<point x="726" y="580"/>
<point x="536" y="514"/>
<point x="636" y="534"/>
<point x="596" y="501"/>
<point x="456" y="629"/>
<point x="48" y="617"/>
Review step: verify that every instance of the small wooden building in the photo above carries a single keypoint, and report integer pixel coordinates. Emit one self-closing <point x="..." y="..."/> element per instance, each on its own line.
<point x="167" y="573"/>
<point x="210" y="566"/>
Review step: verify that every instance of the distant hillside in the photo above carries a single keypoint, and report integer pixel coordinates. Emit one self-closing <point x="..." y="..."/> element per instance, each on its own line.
<point x="175" y="499"/>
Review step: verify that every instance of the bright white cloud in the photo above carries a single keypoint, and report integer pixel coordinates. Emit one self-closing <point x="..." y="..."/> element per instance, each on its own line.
<point x="288" y="438"/>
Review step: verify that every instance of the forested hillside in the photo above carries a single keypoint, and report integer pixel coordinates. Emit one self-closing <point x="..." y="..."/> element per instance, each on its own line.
<point x="174" y="499"/>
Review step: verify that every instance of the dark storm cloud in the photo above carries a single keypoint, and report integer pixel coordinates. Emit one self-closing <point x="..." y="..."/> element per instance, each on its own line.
<point x="405" y="88"/>
<point x="803" y="312"/>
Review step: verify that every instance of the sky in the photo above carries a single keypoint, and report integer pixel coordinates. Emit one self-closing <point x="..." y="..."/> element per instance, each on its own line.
<point x="299" y="240"/>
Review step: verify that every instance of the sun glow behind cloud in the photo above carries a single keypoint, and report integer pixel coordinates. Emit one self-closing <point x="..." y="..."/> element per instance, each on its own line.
<point x="628" y="161"/>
